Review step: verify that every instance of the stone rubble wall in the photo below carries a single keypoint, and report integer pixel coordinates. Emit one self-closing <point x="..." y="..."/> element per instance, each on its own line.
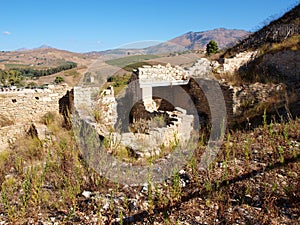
<point x="159" y="72"/>
<point x="231" y="65"/>
<point x="9" y="134"/>
<point x="146" y="145"/>
<point x="84" y="98"/>
<point x="202" y="68"/>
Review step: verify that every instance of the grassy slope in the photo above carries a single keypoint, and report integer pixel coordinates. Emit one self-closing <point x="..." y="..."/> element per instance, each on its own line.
<point x="125" y="61"/>
<point x="255" y="178"/>
<point x="259" y="38"/>
<point x="256" y="73"/>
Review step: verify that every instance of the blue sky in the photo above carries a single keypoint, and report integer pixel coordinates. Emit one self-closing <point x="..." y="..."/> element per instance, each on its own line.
<point x="94" y="25"/>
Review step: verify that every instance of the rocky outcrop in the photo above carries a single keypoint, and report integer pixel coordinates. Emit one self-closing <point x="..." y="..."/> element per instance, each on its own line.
<point x="251" y="100"/>
<point x="282" y="66"/>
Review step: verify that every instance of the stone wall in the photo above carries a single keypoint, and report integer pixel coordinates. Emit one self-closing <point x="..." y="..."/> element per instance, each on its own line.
<point x="251" y="100"/>
<point x="9" y="134"/>
<point x="106" y="111"/>
<point x="203" y="68"/>
<point x="159" y="72"/>
<point x="26" y="107"/>
<point x="29" y="105"/>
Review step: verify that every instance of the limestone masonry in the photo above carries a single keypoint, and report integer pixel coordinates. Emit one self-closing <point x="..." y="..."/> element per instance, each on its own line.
<point x="158" y="72"/>
<point x="25" y="107"/>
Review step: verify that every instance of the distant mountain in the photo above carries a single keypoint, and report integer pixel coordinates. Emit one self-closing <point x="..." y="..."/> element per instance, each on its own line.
<point x="21" y="49"/>
<point x="165" y="47"/>
<point x="38" y="48"/>
<point x="189" y="41"/>
<point x="45" y="47"/>
<point x="198" y="40"/>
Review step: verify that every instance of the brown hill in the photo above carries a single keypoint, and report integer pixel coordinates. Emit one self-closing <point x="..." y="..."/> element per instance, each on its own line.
<point x="46" y="57"/>
<point x="41" y="57"/>
<point x="189" y="41"/>
<point x="198" y="40"/>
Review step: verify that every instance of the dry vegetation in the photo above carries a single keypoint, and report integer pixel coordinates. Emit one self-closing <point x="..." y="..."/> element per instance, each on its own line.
<point x="4" y="121"/>
<point x="255" y="179"/>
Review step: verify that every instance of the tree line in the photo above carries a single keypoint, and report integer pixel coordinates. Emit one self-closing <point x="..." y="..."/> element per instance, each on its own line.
<point x="15" y="76"/>
<point x="31" y="72"/>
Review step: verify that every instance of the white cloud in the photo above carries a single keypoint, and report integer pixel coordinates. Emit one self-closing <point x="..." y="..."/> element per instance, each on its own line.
<point x="6" y="33"/>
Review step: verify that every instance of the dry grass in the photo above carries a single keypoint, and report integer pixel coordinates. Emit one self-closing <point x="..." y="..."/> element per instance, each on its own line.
<point x="254" y="179"/>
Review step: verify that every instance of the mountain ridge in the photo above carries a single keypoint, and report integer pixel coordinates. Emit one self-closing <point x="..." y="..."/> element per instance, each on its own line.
<point x="189" y="41"/>
<point x="192" y="40"/>
<point x="198" y="40"/>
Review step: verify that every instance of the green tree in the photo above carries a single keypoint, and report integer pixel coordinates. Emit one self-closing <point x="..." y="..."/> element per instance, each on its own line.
<point x="212" y="47"/>
<point x="58" y="80"/>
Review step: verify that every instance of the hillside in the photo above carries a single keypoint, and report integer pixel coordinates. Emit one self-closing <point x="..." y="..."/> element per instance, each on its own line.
<point x="43" y="56"/>
<point x="277" y="47"/>
<point x="268" y="57"/>
<point x="44" y="59"/>
<point x="277" y="31"/>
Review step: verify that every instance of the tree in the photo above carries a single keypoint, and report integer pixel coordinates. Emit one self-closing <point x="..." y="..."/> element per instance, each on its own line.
<point x="212" y="47"/>
<point x="58" y="80"/>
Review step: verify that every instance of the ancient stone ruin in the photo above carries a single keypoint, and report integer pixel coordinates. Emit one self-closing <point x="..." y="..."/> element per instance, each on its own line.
<point x="152" y="127"/>
<point x="167" y="92"/>
<point x="159" y="76"/>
